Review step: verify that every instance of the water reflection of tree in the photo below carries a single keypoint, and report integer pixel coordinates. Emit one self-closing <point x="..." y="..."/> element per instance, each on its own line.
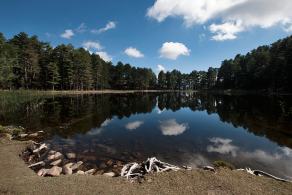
<point x="68" y="115"/>
<point x="261" y="115"/>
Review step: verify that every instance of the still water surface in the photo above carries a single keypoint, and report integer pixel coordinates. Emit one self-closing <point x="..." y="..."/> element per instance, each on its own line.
<point x="181" y="128"/>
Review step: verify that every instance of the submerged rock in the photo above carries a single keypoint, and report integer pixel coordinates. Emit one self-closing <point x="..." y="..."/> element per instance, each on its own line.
<point x="52" y="152"/>
<point x="71" y="155"/>
<point x="109" y="162"/>
<point x="54" y="171"/>
<point x="58" y="155"/>
<point x="55" y="156"/>
<point x="102" y="166"/>
<point x="33" y="135"/>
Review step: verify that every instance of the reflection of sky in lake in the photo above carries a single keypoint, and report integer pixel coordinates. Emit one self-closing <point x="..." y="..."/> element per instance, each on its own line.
<point x="191" y="138"/>
<point x="180" y="128"/>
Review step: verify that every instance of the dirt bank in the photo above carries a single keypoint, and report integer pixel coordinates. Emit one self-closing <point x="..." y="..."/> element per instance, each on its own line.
<point x="16" y="178"/>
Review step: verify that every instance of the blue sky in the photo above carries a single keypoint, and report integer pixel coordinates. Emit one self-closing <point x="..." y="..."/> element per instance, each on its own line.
<point x="177" y="34"/>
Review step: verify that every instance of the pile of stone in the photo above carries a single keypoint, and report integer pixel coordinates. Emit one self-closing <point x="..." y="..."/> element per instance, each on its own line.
<point x="47" y="162"/>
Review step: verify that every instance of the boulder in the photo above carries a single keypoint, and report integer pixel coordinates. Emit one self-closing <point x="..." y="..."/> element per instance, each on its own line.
<point x="76" y="165"/>
<point x="69" y="165"/>
<point x="119" y="163"/>
<point x="54" y="171"/>
<point x="58" y="155"/>
<point x="102" y="166"/>
<point x="52" y="152"/>
<point x="71" y="155"/>
<point x="90" y="172"/>
<point x="80" y="173"/>
<point x="57" y="162"/>
<point x="109" y="162"/>
<point x="51" y="157"/>
<point x="42" y="172"/>
<point x="55" y="156"/>
<point x="67" y="170"/>
<point x="23" y="135"/>
<point x="109" y="174"/>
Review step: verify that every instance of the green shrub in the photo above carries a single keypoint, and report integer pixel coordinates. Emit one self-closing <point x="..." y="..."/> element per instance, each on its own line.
<point x="2" y="130"/>
<point x="12" y="130"/>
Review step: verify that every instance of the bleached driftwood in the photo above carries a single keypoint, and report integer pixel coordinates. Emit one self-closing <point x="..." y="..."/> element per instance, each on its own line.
<point x="151" y="165"/>
<point x="262" y="173"/>
<point x="43" y="146"/>
<point x="36" y="164"/>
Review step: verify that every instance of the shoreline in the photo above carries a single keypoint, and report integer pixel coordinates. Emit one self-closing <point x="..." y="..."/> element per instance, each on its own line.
<point x="114" y="91"/>
<point x="17" y="178"/>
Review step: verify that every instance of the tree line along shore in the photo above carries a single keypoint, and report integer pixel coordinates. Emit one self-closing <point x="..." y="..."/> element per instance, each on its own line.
<point x="28" y="63"/>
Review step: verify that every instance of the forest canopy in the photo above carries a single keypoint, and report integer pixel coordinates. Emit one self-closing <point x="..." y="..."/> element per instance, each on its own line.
<point x="28" y="63"/>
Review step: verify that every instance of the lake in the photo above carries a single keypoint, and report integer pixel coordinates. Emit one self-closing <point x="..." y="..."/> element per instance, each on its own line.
<point x="191" y="129"/>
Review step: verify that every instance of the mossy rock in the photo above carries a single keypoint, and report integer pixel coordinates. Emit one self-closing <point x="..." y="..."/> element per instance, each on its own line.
<point x="224" y="164"/>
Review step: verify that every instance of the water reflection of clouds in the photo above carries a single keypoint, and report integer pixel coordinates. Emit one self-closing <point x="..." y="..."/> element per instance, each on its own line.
<point x="222" y="146"/>
<point x="134" y="125"/>
<point x="97" y="131"/>
<point x="172" y="127"/>
<point x="160" y="111"/>
<point x="279" y="161"/>
<point x="106" y="123"/>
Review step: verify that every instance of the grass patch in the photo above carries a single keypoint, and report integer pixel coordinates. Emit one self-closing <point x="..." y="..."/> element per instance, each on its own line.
<point x="12" y="130"/>
<point x="224" y="164"/>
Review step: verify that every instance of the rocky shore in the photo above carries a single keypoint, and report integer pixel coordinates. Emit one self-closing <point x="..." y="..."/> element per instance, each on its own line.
<point x="47" y="162"/>
<point x="23" y="162"/>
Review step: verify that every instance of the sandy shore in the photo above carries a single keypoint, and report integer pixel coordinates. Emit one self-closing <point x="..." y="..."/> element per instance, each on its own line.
<point x="16" y="178"/>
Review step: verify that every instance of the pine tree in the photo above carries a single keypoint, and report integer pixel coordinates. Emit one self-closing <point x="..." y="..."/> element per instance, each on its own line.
<point x="53" y="75"/>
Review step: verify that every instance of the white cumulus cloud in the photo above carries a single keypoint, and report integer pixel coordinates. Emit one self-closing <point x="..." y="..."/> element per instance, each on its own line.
<point x="110" y="25"/>
<point x="233" y="16"/>
<point x="133" y="52"/>
<point x="92" y="45"/>
<point x="104" y="55"/>
<point x="68" y="34"/>
<point x="160" y="68"/>
<point x="81" y="28"/>
<point x="226" y="31"/>
<point x="172" y="127"/>
<point x="172" y="51"/>
<point x="134" y="125"/>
